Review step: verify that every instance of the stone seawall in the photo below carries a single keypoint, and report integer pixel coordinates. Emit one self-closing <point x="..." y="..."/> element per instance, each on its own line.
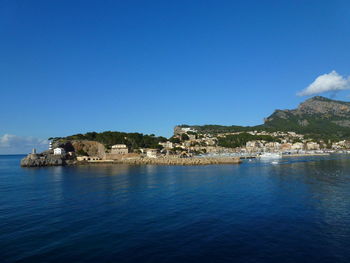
<point x="181" y="161"/>
<point x="37" y="160"/>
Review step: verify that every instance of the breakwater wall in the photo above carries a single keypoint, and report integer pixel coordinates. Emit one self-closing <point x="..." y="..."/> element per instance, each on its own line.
<point x="181" y="161"/>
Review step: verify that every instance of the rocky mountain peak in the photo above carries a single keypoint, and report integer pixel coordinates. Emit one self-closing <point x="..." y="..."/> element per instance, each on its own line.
<point x="318" y="117"/>
<point x="322" y="105"/>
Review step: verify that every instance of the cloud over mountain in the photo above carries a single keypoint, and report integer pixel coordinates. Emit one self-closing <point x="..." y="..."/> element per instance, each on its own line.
<point x="331" y="82"/>
<point x="13" y="144"/>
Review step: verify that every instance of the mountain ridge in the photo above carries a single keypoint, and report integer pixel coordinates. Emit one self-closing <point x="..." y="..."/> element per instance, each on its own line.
<point x="317" y="117"/>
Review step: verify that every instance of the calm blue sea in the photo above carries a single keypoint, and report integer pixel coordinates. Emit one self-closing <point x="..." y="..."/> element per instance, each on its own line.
<point x="295" y="211"/>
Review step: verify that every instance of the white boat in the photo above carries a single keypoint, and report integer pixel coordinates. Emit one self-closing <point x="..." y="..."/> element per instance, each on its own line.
<point x="270" y="156"/>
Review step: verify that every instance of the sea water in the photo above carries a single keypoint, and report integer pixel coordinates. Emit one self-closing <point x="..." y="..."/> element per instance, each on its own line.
<point x="295" y="210"/>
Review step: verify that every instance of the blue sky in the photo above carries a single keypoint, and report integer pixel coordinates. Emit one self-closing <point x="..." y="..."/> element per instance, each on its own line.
<point x="71" y="67"/>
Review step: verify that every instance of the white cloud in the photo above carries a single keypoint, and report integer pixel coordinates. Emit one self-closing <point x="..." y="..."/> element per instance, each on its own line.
<point x="12" y="144"/>
<point x="332" y="82"/>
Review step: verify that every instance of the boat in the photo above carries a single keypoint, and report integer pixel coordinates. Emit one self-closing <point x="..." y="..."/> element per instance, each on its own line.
<point x="270" y="156"/>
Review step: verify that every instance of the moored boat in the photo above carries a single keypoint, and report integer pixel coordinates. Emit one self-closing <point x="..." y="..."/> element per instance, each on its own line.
<point x="267" y="155"/>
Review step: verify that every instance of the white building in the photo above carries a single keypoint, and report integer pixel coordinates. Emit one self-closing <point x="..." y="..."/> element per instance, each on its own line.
<point x="59" y="151"/>
<point x="312" y="146"/>
<point x="272" y="146"/>
<point x="119" y="149"/>
<point x="253" y="146"/>
<point x="297" y="146"/>
<point x="88" y="158"/>
<point x="167" y="144"/>
<point x="152" y="153"/>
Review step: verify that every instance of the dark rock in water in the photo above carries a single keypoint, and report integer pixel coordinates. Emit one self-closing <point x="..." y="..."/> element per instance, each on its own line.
<point x="37" y="160"/>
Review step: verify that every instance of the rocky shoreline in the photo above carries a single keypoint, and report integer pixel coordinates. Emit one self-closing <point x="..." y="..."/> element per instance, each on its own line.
<point x="44" y="159"/>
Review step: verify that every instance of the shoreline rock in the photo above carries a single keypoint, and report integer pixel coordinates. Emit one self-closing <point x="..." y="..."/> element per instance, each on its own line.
<point x="39" y="160"/>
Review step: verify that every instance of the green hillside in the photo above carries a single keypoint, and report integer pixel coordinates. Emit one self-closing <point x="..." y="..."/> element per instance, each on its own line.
<point x="109" y="138"/>
<point x="318" y="118"/>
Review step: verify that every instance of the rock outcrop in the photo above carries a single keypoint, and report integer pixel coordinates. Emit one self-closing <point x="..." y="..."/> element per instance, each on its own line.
<point x="321" y="105"/>
<point x="37" y="160"/>
<point x="84" y="147"/>
<point x="316" y="106"/>
<point x="89" y="148"/>
<point x="72" y="148"/>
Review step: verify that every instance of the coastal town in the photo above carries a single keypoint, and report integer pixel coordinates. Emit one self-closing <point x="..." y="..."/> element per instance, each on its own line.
<point x="188" y="146"/>
<point x="187" y="142"/>
<point x="318" y="126"/>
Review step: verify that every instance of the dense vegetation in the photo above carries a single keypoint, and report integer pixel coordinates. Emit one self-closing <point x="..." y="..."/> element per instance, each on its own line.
<point x="109" y="138"/>
<point x="318" y="127"/>
<point x="239" y="140"/>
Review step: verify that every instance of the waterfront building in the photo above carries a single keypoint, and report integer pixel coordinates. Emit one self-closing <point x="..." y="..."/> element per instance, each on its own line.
<point x="312" y="146"/>
<point x="88" y="158"/>
<point x="297" y="146"/>
<point x="151" y="153"/>
<point x="341" y="145"/>
<point x="254" y="146"/>
<point x="286" y="146"/>
<point x="272" y="146"/>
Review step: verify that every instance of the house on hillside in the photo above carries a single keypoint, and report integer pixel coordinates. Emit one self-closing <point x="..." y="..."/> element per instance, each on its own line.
<point x="166" y="145"/>
<point x="59" y="151"/>
<point x="119" y="149"/>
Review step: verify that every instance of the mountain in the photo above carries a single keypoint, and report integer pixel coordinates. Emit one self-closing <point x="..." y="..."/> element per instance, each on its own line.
<point x="317" y="117"/>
